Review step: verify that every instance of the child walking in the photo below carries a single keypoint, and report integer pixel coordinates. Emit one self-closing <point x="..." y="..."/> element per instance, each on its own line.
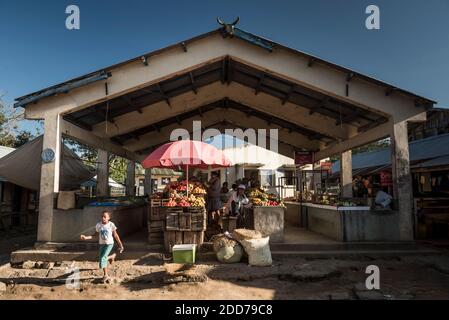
<point x="107" y="231"/>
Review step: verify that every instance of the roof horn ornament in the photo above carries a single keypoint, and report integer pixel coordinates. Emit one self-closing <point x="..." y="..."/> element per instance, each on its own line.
<point x="228" y="28"/>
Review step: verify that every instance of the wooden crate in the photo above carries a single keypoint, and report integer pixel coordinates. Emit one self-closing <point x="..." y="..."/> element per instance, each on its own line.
<point x="172" y="218"/>
<point x="199" y="218"/>
<point x="157" y="213"/>
<point x="198" y="221"/>
<point x="182" y="237"/>
<point x="155" y="202"/>
<point x="156" y="226"/>
<point x="184" y="220"/>
<point x="156" y="237"/>
<point x="171" y="238"/>
<point x="196" y="209"/>
<point x="172" y="221"/>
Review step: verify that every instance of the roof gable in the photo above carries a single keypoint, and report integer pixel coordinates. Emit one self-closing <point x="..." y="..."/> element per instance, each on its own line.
<point x="248" y="37"/>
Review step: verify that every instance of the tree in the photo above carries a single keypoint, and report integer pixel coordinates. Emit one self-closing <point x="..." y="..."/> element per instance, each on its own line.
<point x="117" y="168"/>
<point x="10" y="135"/>
<point x="89" y="156"/>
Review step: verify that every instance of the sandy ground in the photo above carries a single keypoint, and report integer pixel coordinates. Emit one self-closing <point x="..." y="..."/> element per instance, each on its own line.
<point x="405" y="277"/>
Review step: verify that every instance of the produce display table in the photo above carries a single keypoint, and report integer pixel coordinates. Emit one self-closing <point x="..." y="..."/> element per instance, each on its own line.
<point x="355" y="223"/>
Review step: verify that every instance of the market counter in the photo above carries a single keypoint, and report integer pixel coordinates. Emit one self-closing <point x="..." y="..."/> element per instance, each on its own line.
<point x="268" y="220"/>
<point x="293" y="214"/>
<point x="68" y="225"/>
<point x="351" y="223"/>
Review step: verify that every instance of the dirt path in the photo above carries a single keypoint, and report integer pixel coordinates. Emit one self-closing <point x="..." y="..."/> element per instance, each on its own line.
<point x="290" y="278"/>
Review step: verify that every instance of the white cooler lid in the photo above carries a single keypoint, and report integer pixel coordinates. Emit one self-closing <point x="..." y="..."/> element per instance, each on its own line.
<point x="179" y="247"/>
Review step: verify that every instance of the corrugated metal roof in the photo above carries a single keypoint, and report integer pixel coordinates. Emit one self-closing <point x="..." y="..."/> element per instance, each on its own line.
<point x="429" y="148"/>
<point x="437" y="162"/>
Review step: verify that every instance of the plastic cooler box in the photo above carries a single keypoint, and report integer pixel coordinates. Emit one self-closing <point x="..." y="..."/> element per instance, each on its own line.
<point x="184" y="253"/>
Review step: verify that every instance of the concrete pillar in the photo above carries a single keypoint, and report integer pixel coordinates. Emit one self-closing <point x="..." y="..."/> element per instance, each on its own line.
<point x="239" y="172"/>
<point x="103" y="173"/>
<point x="130" y="178"/>
<point x="49" y="183"/>
<point x="147" y="182"/>
<point x="346" y="174"/>
<point x="402" y="182"/>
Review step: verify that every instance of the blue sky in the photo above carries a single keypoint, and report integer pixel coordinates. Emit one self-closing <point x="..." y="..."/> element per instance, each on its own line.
<point x="410" y="50"/>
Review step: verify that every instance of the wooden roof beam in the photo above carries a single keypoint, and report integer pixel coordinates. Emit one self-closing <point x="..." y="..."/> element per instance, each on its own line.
<point x="164" y="96"/>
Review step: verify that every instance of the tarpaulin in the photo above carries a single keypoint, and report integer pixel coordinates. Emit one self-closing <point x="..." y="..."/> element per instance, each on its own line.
<point x="23" y="167"/>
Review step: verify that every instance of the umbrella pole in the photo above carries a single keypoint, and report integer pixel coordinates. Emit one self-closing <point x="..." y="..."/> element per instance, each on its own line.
<point x="187" y="178"/>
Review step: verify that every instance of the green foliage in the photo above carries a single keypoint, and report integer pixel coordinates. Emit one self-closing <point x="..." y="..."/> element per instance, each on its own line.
<point x="117" y="168"/>
<point x="89" y="156"/>
<point x="87" y="153"/>
<point x="10" y="136"/>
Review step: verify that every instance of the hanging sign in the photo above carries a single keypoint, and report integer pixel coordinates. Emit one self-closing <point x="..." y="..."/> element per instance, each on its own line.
<point x="386" y="179"/>
<point x="303" y="158"/>
<point x="326" y="165"/>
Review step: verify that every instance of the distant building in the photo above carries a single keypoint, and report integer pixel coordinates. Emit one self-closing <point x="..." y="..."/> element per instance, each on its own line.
<point x="437" y="123"/>
<point x="160" y="177"/>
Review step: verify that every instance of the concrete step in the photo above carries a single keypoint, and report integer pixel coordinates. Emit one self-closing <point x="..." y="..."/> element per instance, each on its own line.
<point x="324" y="254"/>
<point x="20" y="256"/>
<point x="340" y="246"/>
<point x="68" y="252"/>
<point x="85" y="246"/>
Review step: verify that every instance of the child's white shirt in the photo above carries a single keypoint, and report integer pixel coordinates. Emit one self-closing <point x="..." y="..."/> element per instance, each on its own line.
<point x="105" y="232"/>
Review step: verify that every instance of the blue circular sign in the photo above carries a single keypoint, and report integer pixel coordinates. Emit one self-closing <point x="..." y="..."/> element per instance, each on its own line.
<point x="48" y="155"/>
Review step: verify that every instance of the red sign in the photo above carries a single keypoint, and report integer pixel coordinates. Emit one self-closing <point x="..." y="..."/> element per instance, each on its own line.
<point x="303" y="158"/>
<point x="327" y="165"/>
<point x="386" y="179"/>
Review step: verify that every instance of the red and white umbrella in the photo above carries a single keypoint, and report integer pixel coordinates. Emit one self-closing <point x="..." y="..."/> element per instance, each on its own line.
<point x="185" y="154"/>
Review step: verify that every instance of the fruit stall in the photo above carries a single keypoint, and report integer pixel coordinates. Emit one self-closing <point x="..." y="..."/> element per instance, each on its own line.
<point x="177" y="215"/>
<point x="266" y="214"/>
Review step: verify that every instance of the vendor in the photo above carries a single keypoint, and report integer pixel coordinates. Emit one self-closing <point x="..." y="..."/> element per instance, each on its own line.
<point x="224" y="193"/>
<point x="224" y="188"/>
<point x="213" y="197"/>
<point x="237" y="201"/>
